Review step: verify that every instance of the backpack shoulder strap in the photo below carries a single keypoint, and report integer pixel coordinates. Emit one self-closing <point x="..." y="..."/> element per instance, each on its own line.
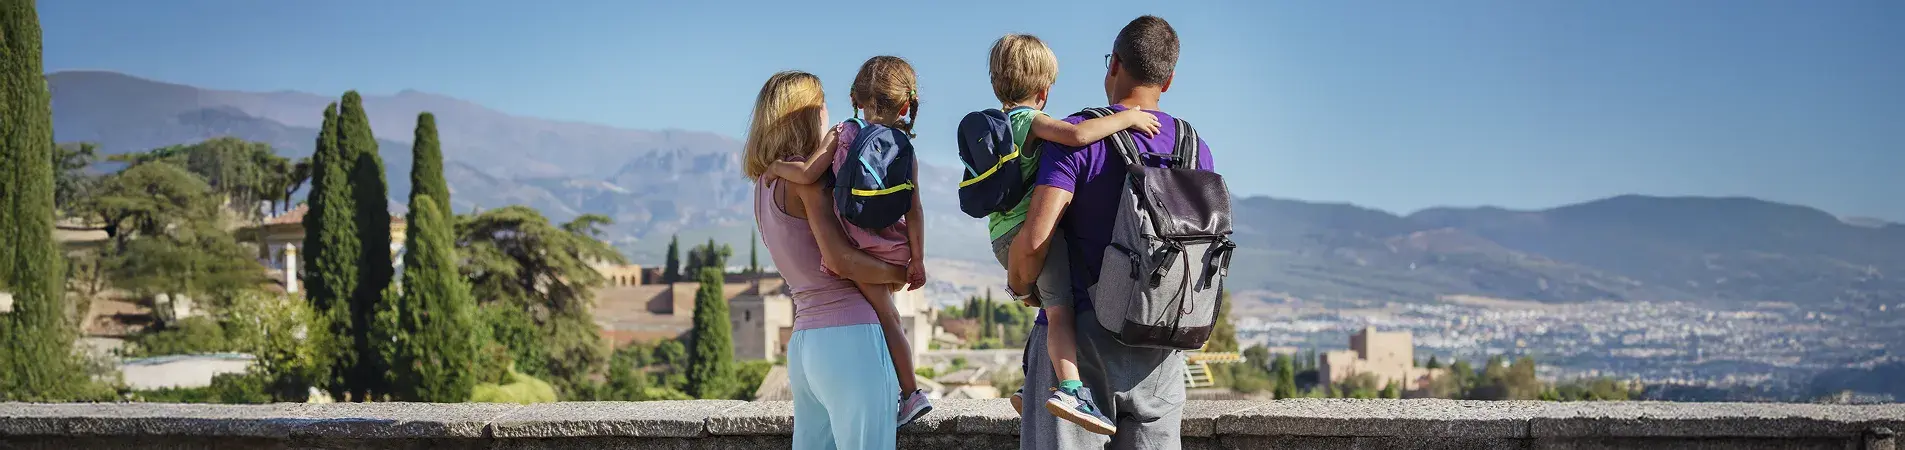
<point x="1119" y="142"/>
<point x="1186" y="151"/>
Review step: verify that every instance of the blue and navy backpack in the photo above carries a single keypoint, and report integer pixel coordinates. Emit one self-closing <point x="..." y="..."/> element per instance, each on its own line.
<point x="995" y="178"/>
<point x="874" y="187"/>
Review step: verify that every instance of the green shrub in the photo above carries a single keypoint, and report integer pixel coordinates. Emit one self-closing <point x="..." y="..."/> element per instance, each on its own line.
<point x="190" y="336"/>
<point x="521" y="389"/>
<point x="225" y="388"/>
<point x="749" y="377"/>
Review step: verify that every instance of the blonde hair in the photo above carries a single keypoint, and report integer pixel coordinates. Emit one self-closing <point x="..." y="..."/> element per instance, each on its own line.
<point x="885" y="85"/>
<point x="1022" y="67"/>
<point x="786" y="121"/>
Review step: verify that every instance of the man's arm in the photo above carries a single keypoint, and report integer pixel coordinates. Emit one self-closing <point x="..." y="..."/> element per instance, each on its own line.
<point x="1027" y="256"/>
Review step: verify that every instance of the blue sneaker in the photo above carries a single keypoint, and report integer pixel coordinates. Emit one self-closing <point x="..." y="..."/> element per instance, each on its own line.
<point x="1077" y="407"/>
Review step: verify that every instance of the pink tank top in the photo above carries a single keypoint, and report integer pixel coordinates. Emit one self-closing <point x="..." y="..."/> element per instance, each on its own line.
<point x="821" y="300"/>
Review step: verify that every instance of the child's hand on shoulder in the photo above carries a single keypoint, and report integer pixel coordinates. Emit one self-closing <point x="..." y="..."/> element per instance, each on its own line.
<point x="1138" y="119"/>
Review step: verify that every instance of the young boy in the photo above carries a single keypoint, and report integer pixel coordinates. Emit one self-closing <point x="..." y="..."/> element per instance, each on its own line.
<point x="1023" y="71"/>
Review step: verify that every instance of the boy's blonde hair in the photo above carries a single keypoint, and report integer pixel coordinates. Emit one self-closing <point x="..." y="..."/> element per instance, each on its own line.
<point x="1022" y="67"/>
<point x="786" y="121"/>
<point x="884" y="86"/>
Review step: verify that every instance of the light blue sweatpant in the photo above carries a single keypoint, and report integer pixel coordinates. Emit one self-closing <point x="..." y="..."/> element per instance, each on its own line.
<point x="845" y="393"/>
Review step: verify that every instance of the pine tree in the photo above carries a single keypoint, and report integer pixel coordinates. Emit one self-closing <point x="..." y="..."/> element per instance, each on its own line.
<point x="431" y="350"/>
<point x="37" y="360"/>
<point x="373" y="235"/>
<point x="331" y="250"/>
<point x="671" y="270"/>
<point x="1433" y="363"/>
<point x="711" y="359"/>
<point x="426" y="165"/>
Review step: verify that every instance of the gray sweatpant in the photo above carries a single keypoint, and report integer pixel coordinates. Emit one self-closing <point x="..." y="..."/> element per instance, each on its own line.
<point x="1141" y="389"/>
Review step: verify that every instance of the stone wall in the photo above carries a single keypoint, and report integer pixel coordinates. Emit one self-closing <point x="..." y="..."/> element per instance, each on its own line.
<point x="969" y="424"/>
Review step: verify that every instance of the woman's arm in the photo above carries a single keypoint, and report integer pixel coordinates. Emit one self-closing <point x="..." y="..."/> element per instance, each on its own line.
<point x="1087" y="132"/>
<point x="835" y="251"/>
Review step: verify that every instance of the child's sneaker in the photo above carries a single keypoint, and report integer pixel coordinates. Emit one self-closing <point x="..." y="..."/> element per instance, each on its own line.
<point x="1077" y="407"/>
<point x="1018" y="401"/>
<point x="914" y="406"/>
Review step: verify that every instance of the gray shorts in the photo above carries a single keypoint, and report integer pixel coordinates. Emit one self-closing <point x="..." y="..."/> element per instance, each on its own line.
<point x="1055" y="282"/>
<point x="1142" y="389"/>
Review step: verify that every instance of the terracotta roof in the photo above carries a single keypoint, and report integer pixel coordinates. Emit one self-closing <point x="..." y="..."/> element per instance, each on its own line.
<point x="296" y="216"/>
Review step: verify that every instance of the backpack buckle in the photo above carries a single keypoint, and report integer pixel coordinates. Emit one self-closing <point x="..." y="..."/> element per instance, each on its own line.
<point x="1158" y="264"/>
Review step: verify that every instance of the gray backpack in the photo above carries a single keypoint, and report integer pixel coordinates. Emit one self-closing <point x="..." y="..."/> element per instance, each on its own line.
<point x="1170" y="247"/>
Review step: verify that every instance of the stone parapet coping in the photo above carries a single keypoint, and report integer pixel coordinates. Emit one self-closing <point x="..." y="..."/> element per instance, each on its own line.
<point x="1214" y="421"/>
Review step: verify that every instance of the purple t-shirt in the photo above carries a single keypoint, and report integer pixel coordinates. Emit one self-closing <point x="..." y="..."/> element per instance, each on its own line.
<point x="1095" y="176"/>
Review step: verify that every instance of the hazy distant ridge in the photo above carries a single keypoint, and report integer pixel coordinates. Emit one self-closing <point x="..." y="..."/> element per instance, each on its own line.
<point x="657" y="183"/>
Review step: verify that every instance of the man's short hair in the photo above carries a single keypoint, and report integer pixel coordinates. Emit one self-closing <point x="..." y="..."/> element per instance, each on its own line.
<point x="1022" y="67"/>
<point x="1147" y="48"/>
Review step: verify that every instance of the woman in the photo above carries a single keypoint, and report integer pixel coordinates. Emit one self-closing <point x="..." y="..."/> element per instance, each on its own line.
<point x="837" y="360"/>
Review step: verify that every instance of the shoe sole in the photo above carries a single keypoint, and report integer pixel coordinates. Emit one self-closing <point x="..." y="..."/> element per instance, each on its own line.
<point x="922" y="413"/>
<point x="1090" y="423"/>
<point x="1018" y="404"/>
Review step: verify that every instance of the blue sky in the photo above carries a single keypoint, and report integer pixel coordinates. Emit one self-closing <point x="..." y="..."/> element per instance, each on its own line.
<point x="1393" y="105"/>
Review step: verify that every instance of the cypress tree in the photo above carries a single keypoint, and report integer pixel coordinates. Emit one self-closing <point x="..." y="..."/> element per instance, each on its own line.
<point x="1285" y="372"/>
<point x="433" y="354"/>
<point x="671" y="270"/>
<point x="331" y="248"/>
<point x="37" y="361"/>
<point x="1223" y="337"/>
<point x="372" y="214"/>
<point x="754" y="254"/>
<point x="426" y="166"/>
<point x="711" y="359"/>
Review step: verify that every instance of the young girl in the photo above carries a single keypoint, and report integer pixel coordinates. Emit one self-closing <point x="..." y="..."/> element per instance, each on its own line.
<point x="887" y="91"/>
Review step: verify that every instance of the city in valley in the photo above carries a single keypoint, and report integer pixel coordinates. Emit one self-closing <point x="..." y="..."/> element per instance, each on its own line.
<point x="1766" y="350"/>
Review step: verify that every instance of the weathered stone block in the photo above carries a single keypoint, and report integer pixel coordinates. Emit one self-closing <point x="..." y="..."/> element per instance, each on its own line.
<point x="634" y="419"/>
<point x="1412" y="417"/>
<point x="754" y="418"/>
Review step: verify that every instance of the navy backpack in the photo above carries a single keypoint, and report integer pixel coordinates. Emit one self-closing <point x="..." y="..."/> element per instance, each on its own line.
<point x="873" y="187"/>
<point x="995" y="178"/>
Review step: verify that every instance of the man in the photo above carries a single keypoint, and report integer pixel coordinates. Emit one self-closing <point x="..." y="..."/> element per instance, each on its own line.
<point x="1077" y="191"/>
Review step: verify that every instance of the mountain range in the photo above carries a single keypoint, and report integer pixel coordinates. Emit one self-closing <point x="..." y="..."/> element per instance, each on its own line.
<point x="658" y="184"/>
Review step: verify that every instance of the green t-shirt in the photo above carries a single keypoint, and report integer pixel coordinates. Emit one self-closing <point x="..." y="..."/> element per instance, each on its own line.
<point x="1000" y="223"/>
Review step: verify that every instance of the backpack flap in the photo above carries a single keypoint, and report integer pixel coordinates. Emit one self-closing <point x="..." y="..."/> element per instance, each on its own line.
<point x="875" y="186"/>
<point x="992" y="180"/>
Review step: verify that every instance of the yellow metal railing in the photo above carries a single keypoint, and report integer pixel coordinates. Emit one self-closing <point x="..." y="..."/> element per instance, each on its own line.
<point x="1197" y="372"/>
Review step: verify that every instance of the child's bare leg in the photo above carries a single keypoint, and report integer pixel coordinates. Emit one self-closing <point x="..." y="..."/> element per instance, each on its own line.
<point x="881" y="297"/>
<point x="1061" y="343"/>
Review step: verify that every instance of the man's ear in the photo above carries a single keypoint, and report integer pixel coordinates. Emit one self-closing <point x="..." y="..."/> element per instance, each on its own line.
<point x="1167" y="82"/>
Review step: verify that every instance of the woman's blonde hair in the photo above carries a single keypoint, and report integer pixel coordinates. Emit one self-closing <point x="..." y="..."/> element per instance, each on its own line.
<point x="786" y="121"/>
<point x="884" y="85"/>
